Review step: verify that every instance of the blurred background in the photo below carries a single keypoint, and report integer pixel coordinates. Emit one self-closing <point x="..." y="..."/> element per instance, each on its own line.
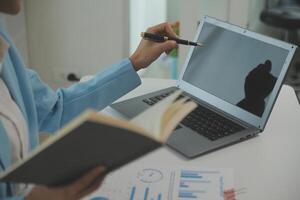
<point x="64" y="40"/>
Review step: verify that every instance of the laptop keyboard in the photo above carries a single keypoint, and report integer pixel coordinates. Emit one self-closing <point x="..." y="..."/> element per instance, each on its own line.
<point x="151" y="101"/>
<point x="204" y="121"/>
<point x="210" y="124"/>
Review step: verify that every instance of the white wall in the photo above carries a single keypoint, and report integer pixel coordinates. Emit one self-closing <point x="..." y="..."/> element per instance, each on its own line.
<point x="191" y="13"/>
<point x="81" y="36"/>
<point x="144" y="14"/>
<point x="255" y="8"/>
<point x="16" y="26"/>
<point x="238" y="12"/>
<point x="173" y="10"/>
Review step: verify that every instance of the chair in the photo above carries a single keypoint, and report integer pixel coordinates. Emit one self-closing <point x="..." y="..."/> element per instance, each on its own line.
<point x="285" y="14"/>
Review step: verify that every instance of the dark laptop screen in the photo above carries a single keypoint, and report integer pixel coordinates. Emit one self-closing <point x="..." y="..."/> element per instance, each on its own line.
<point x="236" y="68"/>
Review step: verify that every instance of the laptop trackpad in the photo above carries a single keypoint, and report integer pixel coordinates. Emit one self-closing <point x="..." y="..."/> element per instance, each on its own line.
<point x="188" y="142"/>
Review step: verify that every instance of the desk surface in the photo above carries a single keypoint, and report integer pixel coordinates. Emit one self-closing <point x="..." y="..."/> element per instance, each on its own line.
<point x="268" y="165"/>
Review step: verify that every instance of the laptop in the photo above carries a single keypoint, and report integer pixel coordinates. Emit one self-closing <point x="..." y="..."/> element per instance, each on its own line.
<point x="235" y="80"/>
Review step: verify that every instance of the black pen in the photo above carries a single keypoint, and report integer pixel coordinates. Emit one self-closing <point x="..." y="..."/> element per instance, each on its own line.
<point x="161" y="38"/>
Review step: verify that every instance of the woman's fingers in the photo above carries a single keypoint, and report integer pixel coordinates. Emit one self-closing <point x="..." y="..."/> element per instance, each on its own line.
<point x="158" y="28"/>
<point x="164" y="28"/>
<point x="229" y="191"/>
<point x="169" y="31"/>
<point x="84" y="182"/>
<point x="92" y="188"/>
<point x="75" y="191"/>
<point x="148" y="51"/>
<point x="229" y="194"/>
<point x="167" y="46"/>
<point x="171" y="49"/>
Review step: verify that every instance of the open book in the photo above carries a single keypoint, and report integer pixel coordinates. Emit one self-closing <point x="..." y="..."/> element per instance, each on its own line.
<point x="94" y="139"/>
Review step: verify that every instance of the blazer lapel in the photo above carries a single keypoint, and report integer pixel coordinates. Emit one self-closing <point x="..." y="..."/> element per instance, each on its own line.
<point x="11" y="81"/>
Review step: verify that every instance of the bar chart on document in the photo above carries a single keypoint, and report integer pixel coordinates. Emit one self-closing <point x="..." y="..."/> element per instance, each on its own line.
<point x="162" y="183"/>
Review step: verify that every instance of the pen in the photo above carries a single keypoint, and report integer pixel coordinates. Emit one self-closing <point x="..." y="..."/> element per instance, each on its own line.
<point x="161" y="38"/>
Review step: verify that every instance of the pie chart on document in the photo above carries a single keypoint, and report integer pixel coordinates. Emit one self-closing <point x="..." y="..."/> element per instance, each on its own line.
<point x="99" y="198"/>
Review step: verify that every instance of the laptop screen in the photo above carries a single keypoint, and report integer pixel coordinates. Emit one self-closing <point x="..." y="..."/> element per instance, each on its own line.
<point x="238" y="69"/>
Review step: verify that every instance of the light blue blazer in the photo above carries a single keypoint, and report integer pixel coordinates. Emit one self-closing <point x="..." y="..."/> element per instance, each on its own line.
<point x="48" y="110"/>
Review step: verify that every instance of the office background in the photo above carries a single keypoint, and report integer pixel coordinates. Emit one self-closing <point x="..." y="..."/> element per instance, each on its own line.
<point x="60" y="37"/>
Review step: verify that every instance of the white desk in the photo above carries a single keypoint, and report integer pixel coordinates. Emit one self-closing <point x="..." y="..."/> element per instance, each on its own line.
<point x="268" y="165"/>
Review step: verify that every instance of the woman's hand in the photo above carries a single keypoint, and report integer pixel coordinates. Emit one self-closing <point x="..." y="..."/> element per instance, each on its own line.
<point x="77" y="190"/>
<point x="148" y="51"/>
<point x="229" y="194"/>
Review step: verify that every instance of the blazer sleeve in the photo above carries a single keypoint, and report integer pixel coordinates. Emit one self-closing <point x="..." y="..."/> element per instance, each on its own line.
<point x="56" y="108"/>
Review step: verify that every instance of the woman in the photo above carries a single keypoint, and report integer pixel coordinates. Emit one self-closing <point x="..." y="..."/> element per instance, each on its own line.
<point x="28" y="106"/>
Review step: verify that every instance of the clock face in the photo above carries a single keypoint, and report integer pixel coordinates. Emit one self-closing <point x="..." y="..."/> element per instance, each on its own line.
<point x="150" y="175"/>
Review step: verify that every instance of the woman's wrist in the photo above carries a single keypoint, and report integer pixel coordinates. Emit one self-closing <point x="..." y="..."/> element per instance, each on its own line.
<point x="135" y="61"/>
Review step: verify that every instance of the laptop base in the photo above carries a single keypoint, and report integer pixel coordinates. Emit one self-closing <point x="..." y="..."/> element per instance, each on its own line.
<point x="183" y="140"/>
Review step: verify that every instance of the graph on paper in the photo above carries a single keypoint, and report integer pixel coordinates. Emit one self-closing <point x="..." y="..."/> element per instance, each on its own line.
<point x="157" y="183"/>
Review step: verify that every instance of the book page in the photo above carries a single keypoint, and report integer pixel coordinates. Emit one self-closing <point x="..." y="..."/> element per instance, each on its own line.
<point x="161" y="182"/>
<point x="163" y="117"/>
